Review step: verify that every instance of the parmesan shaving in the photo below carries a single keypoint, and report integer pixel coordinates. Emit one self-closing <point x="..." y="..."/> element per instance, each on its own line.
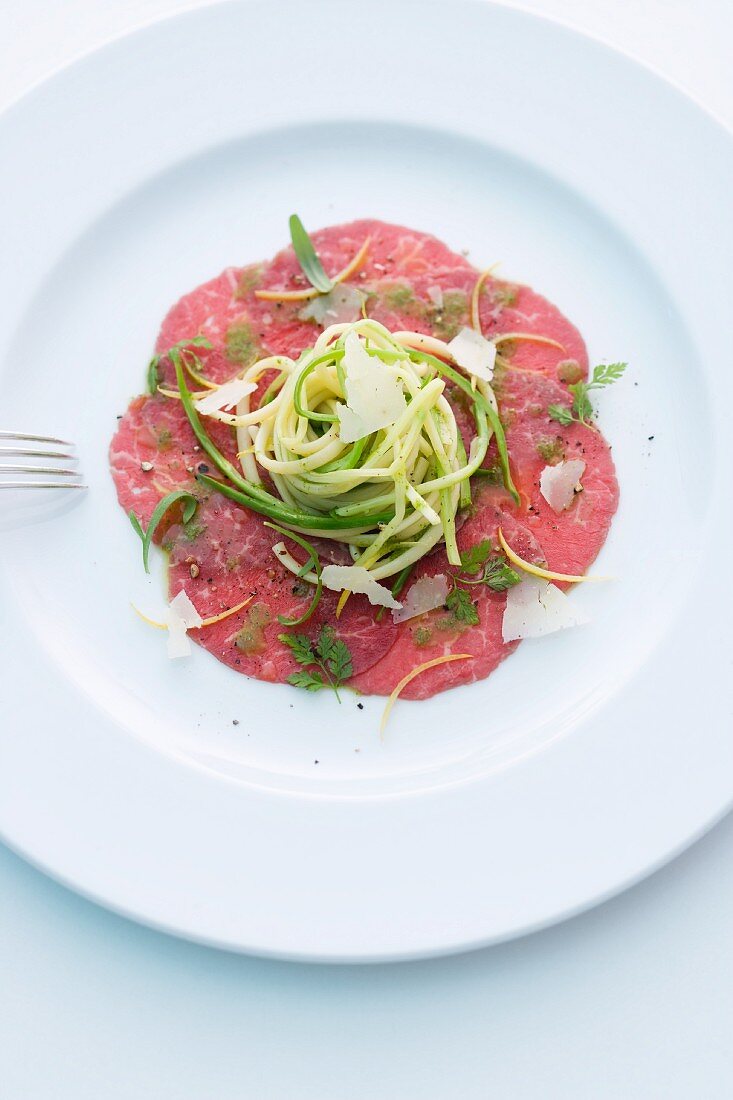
<point x="178" y="642"/>
<point x="343" y="303"/>
<point x="474" y="353"/>
<point x="435" y="294"/>
<point x="180" y="616"/>
<point x="425" y="594"/>
<point x="225" y="397"/>
<point x="183" y="609"/>
<point x="374" y="397"/>
<point x="536" y="607"/>
<point x="559" y="484"/>
<point x="355" y="578"/>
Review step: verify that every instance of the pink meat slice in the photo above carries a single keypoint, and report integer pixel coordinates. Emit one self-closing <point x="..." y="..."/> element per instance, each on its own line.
<point x="154" y="452"/>
<point x="412" y="281"/>
<point x="571" y="539"/>
<point x="230" y="551"/>
<point x="396" y="255"/>
<point x="510" y="307"/>
<point x="394" y="251"/>
<point x="208" y="311"/>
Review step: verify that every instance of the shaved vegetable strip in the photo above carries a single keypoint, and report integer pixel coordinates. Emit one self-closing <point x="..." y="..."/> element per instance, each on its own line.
<point x="411" y="676"/>
<point x="253" y="495"/>
<point x="342" y="602"/>
<point x="475" y="319"/>
<point x="527" y="337"/>
<point x="391" y="495"/>
<point x="537" y="570"/>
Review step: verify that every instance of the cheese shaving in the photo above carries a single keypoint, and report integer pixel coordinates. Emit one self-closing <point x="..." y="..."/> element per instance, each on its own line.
<point x="560" y="483"/>
<point x="474" y="353"/>
<point x="343" y="303"/>
<point x="374" y="397"/>
<point x="178" y="643"/>
<point x="435" y="294"/>
<point x="424" y="595"/>
<point x="225" y="397"/>
<point x="182" y="608"/>
<point x="535" y="608"/>
<point x="355" y="578"/>
<point x="180" y="616"/>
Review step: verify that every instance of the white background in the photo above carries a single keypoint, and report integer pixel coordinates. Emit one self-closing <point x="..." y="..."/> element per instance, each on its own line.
<point x="633" y="1000"/>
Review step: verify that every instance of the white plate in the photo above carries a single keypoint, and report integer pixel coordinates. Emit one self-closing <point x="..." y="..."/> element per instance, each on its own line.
<point x="588" y="758"/>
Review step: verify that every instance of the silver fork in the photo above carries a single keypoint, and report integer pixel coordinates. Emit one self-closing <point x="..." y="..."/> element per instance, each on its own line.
<point x="57" y="470"/>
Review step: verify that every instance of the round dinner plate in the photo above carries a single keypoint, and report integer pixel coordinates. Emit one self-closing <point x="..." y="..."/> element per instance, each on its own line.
<point x="264" y="819"/>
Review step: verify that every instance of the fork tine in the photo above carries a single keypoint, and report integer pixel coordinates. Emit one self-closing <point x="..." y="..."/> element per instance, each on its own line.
<point x="21" y="437"/>
<point x="56" y="471"/>
<point x="42" y="485"/>
<point x="27" y="452"/>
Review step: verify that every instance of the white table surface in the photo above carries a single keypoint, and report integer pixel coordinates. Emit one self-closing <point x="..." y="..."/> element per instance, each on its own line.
<point x="632" y="1000"/>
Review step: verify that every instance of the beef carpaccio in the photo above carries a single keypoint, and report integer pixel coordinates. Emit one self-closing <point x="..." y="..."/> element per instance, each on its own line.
<point x="223" y="555"/>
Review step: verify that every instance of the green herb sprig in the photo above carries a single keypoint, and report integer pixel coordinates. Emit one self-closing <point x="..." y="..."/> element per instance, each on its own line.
<point x="307" y="257"/>
<point x="146" y="535"/>
<point x="484" y="567"/>
<point x="581" y="411"/>
<point x="493" y="569"/>
<point x="462" y="607"/>
<point x="327" y="653"/>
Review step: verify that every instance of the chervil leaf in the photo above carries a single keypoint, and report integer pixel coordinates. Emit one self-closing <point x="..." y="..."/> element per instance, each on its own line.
<point x="473" y="558"/>
<point x="334" y="654"/>
<point x="582" y="407"/>
<point x="300" y="646"/>
<point x="329" y="653"/>
<point x="499" y="576"/>
<point x="307" y="257"/>
<point x="462" y="608"/>
<point x="561" y="413"/>
<point x="339" y="663"/>
<point x="606" y="373"/>
<point x="326" y="642"/>
<point x="311" y="681"/>
<point x="582" y="411"/>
